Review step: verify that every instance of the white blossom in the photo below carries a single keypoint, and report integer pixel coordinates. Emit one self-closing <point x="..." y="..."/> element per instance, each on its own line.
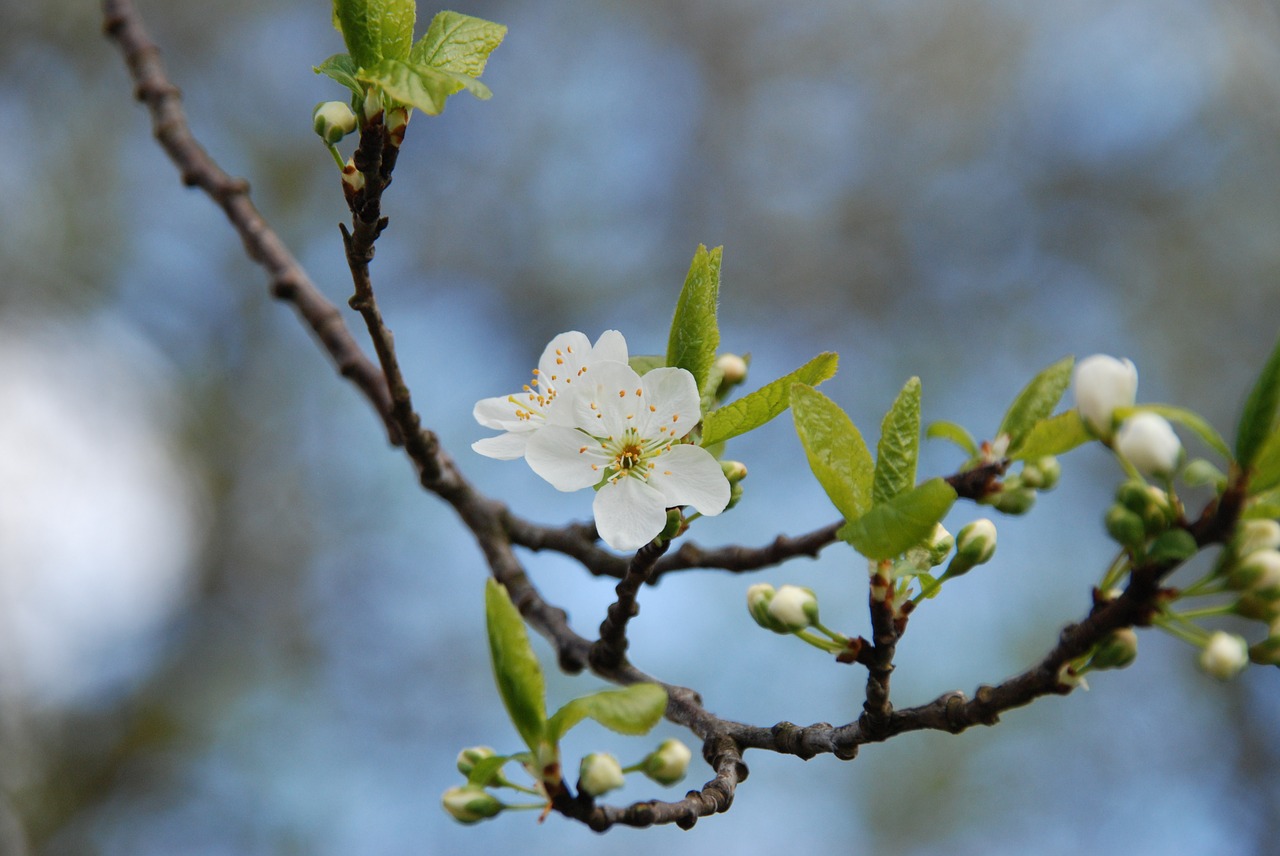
<point x="1225" y="655"/>
<point x="1148" y="442"/>
<point x="621" y="433"/>
<point x="794" y="607"/>
<point x="566" y="358"/>
<point x="1103" y="384"/>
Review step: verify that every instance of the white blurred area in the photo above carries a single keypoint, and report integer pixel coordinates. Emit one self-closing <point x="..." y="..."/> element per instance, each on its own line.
<point x="99" y="522"/>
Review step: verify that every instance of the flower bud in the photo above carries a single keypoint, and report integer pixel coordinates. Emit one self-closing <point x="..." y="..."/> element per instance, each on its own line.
<point x="397" y="120"/>
<point x="1147" y="441"/>
<point x="794" y="608"/>
<point x="1266" y="652"/>
<point x="667" y="764"/>
<point x="352" y="178"/>
<point x="372" y="103"/>
<point x="975" y="545"/>
<point x="467" y="758"/>
<point x="1069" y="678"/>
<point x="1117" y="650"/>
<point x="469" y="804"/>
<point x="734" y="471"/>
<point x="1201" y="472"/>
<point x="333" y="120"/>
<point x="733" y="368"/>
<point x="1225" y="655"/>
<point x="1260" y="569"/>
<point x="1041" y="474"/>
<point x="1016" y="501"/>
<point x="1254" y="535"/>
<point x="759" y="596"/>
<point x="1126" y="527"/>
<point x="599" y="773"/>
<point x="1103" y="384"/>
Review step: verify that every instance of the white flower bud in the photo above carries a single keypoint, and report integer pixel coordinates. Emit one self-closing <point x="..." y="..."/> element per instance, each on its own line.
<point x="333" y="120"/>
<point x="734" y="471"/>
<point x="732" y="367"/>
<point x="1225" y="655"/>
<point x="1147" y="441"/>
<point x="939" y="544"/>
<point x="975" y="545"/>
<point x="1258" y="571"/>
<point x="759" y="596"/>
<point x="1117" y="650"/>
<point x="599" y="773"/>
<point x="668" y="763"/>
<point x="794" y="608"/>
<point x="469" y="804"/>
<point x="1103" y="384"/>
<point x="467" y="758"/>
<point x="372" y="103"/>
<point x="1254" y="535"/>
<point x="352" y="177"/>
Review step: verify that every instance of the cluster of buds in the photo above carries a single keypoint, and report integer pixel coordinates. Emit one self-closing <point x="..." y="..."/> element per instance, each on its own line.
<point x="1256" y="574"/>
<point x="1017" y="492"/>
<point x="1104" y="386"/>
<point x="735" y="472"/>
<point x="600" y="772"/>
<point x="1141" y="512"/>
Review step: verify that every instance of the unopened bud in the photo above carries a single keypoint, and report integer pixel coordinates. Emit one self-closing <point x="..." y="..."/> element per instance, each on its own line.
<point x="1042" y="474"/>
<point x="734" y="471"/>
<point x="1266" y="652"/>
<point x="1103" y="384"/>
<point x="939" y="545"/>
<point x="667" y="764"/>
<point x="1201" y="472"/>
<point x="1069" y="678"/>
<point x="1225" y="655"/>
<point x="1259" y="570"/>
<point x="1147" y="441"/>
<point x="975" y="545"/>
<point x="333" y="120"/>
<point x="372" y="103"/>
<point x="599" y="773"/>
<point x="468" y="758"/>
<point x="469" y="804"/>
<point x="1126" y="527"/>
<point x="1254" y="535"/>
<point x="1014" y="502"/>
<point x="1117" y="650"/>
<point x="352" y="178"/>
<point x="759" y="596"/>
<point x="794" y="608"/>
<point x="733" y="368"/>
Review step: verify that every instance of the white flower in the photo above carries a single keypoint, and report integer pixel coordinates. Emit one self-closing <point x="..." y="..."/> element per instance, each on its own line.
<point x="1225" y="655"/>
<point x="623" y="437"/>
<point x="566" y="358"/>
<point x="1147" y="441"/>
<point x="600" y="773"/>
<point x="794" y="607"/>
<point x="1103" y="384"/>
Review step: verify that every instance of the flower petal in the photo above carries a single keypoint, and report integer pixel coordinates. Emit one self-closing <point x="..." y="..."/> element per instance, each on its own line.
<point x="672" y="403"/>
<point x="500" y="411"/>
<point x="610" y="346"/>
<point x="629" y="513"/>
<point x="565" y="457"/>
<point x="607" y="404"/>
<point x="504" y="447"/>
<point x="690" y="475"/>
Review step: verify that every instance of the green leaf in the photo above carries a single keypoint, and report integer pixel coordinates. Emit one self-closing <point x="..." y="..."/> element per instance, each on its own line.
<point x="421" y="86"/>
<point x="899" y="445"/>
<point x="892" y="527"/>
<point x="630" y="710"/>
<point x="755" y="409"/>
<point x="1259" y="417"/>
<point x="1266" y="468"/>
<point x="375" y="30"/>
<point x="458" y="43"/>
<point x="695" y="336"/>
<point x="1175" y="545"/>
<point x="943" y="430"/>
<point x="1053" y="436"/>
<point x="342" y="68"/>
<point x="644" y="363"/>
<point x="1188" y="419"/>
<point x="515" y="668"/>
<point x="1036" y="401"/>
<point x="486" y="770"/>
<point x="837" y="454"/>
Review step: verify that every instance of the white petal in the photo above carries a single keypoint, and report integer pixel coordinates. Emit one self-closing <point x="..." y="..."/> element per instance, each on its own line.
<point x="562" y="358"/>
<point x="504" y="447"/>
<point x="602" y="406"/>
<point x="610" y="346"/>
<point x="673" y="395"/>
<point x="500" y="412"/>
<point x="565" y="457"/>
<point x="629" y="513"/>
<point x="690" y="475"/>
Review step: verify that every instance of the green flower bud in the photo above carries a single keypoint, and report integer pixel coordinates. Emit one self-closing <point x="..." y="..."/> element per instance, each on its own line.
<point x="939" y="545"/>
<point x="1117" y="650"/>
<point x="733" y="369"/>
<point x="1255" y="535"/>
<point x="734" y="471"/>
<point x="1126" y="527"/>
<point x="1135" y="496"/>
<point x="667" y="764"/>
<point x="1259" y="570"/>
<point x="1225" y="655"/>
<point x="735" y="495"/>
<point x="1200" y="472"/>
<point x="975" y="545"/>
<point x="469" y="804"/>
<point x="599" y="773"/>
<point x="759" y="596"/>
<point x="467" y="758"/>
<point x="333" y="120"/>
<point x="1042" y="474"/>
<point x="1259" y="605"/>
<point x="1016" y="501"/>
<point x="674" y="526"/>
<point x="794" y="608"/>
<point x="1266" y="652"/>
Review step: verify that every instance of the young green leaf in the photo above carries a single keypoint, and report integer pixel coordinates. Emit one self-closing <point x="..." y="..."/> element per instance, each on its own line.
<point x="375" y="30"/>
<point x="1053" y="436"/>
<point x="1188" y="419"/>
<point x="1036" y="401"/>
<point x="1266" y="467"/>
<point x="342" y="68"/>
<point x="1258" y="420"/>
<point x="458" y="43"/>
<point x="892" y="527"/>
<point x="644" y="363"/>
<point x="515" y="668"/>
<point x="421" y="86"/>
<point x="755" y="409"/>
<point x="695" y="335"/>
<point x="943" y="430"/>
<point x="837" y="454"/>
<point x="899" y="445"/>
<point x="631" y="710"/>
<point x="486" y="770"/>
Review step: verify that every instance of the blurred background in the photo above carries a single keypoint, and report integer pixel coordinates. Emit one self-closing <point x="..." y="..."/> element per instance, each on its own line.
<point x="231" y="624"/>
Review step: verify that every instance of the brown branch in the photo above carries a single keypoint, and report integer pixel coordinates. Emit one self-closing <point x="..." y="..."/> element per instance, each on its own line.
<point x="611" y="649"/>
